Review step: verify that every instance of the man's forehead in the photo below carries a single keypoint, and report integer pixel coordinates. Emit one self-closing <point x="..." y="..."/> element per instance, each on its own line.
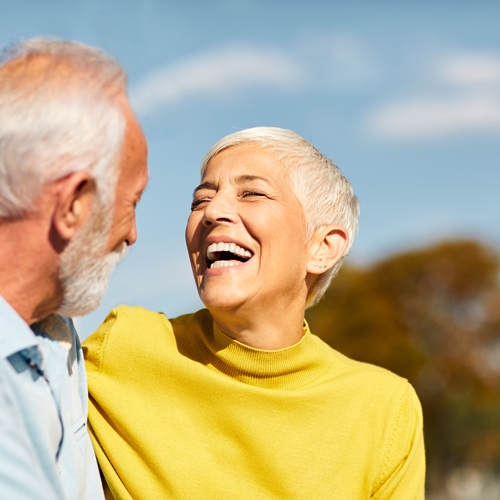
<point x="135" y="149"/>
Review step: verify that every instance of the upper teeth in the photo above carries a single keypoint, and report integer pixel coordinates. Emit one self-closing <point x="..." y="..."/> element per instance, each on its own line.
<point x="226" y="247"/>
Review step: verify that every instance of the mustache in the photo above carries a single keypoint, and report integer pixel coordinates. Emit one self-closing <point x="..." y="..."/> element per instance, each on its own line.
<point x="120" y="252"/>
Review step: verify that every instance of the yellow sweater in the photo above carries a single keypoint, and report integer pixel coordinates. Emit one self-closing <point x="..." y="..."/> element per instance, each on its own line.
<point x="178" y="410"/>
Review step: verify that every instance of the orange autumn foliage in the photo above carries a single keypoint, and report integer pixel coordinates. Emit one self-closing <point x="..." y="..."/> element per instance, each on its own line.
<point x="433" y="317"/>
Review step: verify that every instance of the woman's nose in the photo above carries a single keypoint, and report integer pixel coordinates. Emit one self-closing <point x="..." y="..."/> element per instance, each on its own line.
<point x="219" y="210"/>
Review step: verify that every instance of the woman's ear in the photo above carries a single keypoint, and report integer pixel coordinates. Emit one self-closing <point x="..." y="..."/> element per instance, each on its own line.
<point x="327" y="247"/>
<point x="75" y="198"/>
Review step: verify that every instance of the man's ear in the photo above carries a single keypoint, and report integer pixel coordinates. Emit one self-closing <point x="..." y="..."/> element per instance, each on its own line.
<point x="327" y="246"/>
<point x="76" y="194"/>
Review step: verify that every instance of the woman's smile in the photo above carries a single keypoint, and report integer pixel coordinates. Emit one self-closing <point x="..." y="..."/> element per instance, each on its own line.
<point x="225" y="252"/>
<point x="246" y="232"/>
<point x="244" y="385"/>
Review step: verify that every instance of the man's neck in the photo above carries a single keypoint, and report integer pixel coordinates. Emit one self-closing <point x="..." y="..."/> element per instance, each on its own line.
<point x="28" y="277"/>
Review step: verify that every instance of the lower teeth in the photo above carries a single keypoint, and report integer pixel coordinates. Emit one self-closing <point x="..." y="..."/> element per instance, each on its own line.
<point x="224" y="263"/>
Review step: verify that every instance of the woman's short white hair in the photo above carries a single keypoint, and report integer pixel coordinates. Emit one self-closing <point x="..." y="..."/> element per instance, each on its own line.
<point x="325" y="194"/>
<point x="58" y="115"/>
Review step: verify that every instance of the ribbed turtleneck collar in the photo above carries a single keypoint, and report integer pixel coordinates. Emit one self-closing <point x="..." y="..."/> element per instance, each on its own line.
<point x="284" y="369"/>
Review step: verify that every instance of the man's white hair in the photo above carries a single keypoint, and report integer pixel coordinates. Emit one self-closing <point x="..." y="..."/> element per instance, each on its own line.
<point x="325" y="194"/>
<point x="58" y="115"/>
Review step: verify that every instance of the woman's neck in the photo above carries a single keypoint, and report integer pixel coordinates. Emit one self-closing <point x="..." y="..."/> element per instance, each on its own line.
<point x="269" y="328"/>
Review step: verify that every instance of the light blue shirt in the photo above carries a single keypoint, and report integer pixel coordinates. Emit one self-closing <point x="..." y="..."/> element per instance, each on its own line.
<point x="45" y="447"/>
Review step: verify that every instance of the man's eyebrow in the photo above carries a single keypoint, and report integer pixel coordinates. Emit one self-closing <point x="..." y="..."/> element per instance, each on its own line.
<point x="205" y="185"/>
<point x="140" y="192"/>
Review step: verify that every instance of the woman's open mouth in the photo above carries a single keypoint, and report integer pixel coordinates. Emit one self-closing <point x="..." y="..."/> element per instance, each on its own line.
<point x="226" y="255"/>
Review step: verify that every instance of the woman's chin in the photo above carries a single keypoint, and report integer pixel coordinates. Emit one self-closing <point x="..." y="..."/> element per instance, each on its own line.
<point x="220" y="304"/>
<point x="222" y="299"/>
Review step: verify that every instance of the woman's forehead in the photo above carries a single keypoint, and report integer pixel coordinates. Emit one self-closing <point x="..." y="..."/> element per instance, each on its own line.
<point x="247" y="161"/>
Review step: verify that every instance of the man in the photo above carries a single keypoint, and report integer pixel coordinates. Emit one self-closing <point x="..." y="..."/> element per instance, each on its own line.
<point x="73" y="165"/>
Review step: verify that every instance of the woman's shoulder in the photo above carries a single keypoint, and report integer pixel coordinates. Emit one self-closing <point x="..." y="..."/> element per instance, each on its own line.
<point x="125" y="319"/>
<point x="370" y="376"/>
<point x="375" y="392"/>
<point x="132" y="331"/>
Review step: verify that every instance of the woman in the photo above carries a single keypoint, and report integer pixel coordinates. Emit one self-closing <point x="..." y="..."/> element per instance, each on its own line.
<point x="240" y="400"/>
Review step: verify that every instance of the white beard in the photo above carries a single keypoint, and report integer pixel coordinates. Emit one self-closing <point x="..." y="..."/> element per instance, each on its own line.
<point x="85" y="267"/>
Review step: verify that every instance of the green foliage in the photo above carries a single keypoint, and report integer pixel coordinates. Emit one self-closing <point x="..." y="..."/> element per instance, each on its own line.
<point x="433" y="317"/>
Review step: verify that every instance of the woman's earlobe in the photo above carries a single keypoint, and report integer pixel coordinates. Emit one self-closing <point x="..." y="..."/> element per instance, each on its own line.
<point x="328" y="247"/>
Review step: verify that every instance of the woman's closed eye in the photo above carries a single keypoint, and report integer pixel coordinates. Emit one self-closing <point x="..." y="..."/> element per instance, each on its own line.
<point x="197" y="203"/>
<point x="248" y="194"/>
<point x="200" y="202"/>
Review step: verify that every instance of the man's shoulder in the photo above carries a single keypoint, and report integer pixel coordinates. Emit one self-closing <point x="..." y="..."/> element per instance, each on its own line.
<point x="15" y="334"/>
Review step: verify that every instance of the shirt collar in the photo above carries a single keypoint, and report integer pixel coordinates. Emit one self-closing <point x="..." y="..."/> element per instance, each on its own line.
<point x="15" y="334"/>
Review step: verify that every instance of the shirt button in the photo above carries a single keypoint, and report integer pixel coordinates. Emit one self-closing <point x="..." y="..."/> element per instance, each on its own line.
<point x="59" y="468"/>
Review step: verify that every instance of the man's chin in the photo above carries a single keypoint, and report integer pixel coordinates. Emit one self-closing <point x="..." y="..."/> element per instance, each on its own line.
<point x="73" y="312"/>
<point x="81" y="299"/>
<point x="85" y="289"/>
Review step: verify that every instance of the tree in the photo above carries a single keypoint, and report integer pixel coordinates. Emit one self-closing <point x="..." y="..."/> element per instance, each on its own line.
<point x="433" y="317"/>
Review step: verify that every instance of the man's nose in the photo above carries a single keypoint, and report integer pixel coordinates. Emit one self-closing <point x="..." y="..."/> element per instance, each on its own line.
<point x="132" y="235"/>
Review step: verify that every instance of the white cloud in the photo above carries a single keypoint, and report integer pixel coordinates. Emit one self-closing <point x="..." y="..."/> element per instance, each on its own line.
<point x="429" y="118"/>
<point x="462" y="96"/>
<point x="215" y="73"/>
<point x="471" y="69"/>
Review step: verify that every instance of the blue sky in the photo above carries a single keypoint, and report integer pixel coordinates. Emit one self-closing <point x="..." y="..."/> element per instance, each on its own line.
<point x="404" y="96"/>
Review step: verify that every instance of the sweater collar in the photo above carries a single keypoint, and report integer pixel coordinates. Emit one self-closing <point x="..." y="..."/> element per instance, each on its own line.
<point x="283" y="369"/>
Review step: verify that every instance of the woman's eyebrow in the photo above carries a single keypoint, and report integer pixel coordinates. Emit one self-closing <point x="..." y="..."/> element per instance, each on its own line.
<point x="205" y="185"/>
<point x="241" y="179"/>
